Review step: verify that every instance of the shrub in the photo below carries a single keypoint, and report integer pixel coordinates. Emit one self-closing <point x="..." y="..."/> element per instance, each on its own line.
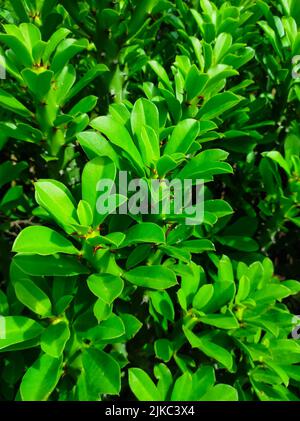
<point x="147" y="305"/>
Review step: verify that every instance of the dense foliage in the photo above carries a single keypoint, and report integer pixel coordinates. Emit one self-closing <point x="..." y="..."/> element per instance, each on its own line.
<point x="144" y="306"/>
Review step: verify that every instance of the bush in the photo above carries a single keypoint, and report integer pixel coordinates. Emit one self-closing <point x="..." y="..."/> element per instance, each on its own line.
<point x="96" y="302"/>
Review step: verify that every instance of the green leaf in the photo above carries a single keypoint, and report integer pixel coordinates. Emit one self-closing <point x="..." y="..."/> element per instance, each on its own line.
<point x="145" y="232"/>
<point x="195" y="82"/>
<point x="54" y="265"/>
<point x="161" y="73"/>
<point x="163" y="349"/>
<point x="9" y="102"/>
<point x="33" y="297"/>
<point x="203" y="380"/>
<point x="165" y="164"/>
<point x="105" y="286"/>
<point x="19" y="9"/>
<point x="18" y="329"/>
<point x="278" y="158"/>
<point x="85" y="105"/>
<point x="244" y="289"/>
<point x="93" y="172"/>
<point x="177" y="253"/>
<point x="238" y="242"/>
<point x="102" y="372"/>
<point x="31" y="34"/>
<point x="183" y="388"/>
<point x="63" y="84"/>
<point x="85" y="80"/>
<point x="271" y="35"/>
<point x="221" y="392"/>
<point x="222" y="45"/>
<point x="23" y="55"/>
<point x="132" y="325"/>
<point x="3" y="304"/>
<point x="271" y="292"/>
<point x="110" y="328"/>
<point x="96" y="145"/>
<point x="148" y="143"/>
<point x="218" y="207"/>
<point x="203" y="296"/>
<point x="142" y="386"/>
<point x="120" y="137"/>
<point x="221" y="321"/>
<point x="139" y="254"/>
<point x="210" y="348"/>
<point x="218" y="104"/>
<point x="144" y="113"/>
<point x="223" y="294"/>
<point x="58" y="201"/>
<point x="9" y="171"/>
<point x="102" y="310"/>
<point x="162" y="304"/>
<point x="85" y="213"/>
<point x="53" y="42"/>
<point x="165" y="380"/>
<point x="41" y="378"/>
<point x="67" y="49"/>
<point x="225" y="271"/>
<point x="205" y="165"/>
<point x="182" y="137"/>
<point x="43" y="241"/>
<point x="198" y="246"/>
<point x="54" y="338"/>
<point x="38" y="83"/>
<point x="155" y="277"/>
